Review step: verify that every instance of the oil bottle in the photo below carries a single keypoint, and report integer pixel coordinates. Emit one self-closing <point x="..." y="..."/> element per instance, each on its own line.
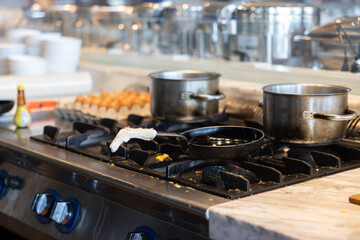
<point x="22" y="117"/>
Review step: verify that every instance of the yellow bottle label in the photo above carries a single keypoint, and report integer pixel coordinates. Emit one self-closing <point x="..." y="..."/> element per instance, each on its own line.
<point x="22" y="117"/>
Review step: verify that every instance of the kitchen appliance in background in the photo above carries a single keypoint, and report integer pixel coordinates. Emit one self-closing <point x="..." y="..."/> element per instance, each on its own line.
<point x="265" y="31"/>
<point x="60" y="18"/>
<point x="112" y="27"/>
<point x="175" y="25"/>
<point x="249" y="31"/>
<point x="208" y="36"/>
<point x="335" y="44"/>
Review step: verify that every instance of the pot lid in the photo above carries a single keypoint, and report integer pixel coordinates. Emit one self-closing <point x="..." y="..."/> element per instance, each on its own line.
<point x="184" y="75"/>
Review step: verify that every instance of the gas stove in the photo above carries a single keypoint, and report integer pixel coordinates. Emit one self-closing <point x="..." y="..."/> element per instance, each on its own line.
<point x="71" y="184"/>
<point x="271" y="166"/>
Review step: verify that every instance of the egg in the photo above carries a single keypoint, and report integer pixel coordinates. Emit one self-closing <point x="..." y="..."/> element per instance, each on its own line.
<point x="80" y="99"/>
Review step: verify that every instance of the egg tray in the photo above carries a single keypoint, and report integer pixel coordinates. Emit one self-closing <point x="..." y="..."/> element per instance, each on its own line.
<point x="75" y="111"/>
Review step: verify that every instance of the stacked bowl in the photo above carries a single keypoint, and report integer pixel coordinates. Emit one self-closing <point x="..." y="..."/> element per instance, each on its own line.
<point x="26" y="65"/>
<point x="34" y="43"/>
<point x="6" y="50"/>
<point x="18" y="35"/>
<point x="62" y="54"/>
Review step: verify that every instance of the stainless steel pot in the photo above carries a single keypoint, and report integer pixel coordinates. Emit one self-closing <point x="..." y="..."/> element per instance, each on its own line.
<point x="311" y="114"/>
<point x="264" y="30"/>
<point x="184" y="96"/>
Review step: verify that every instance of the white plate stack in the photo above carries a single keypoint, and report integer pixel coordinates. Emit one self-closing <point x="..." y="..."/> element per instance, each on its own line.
<point x="18" y="35"/>
<point x="62" y="54"/>
<point x="26" y="65"/>
<point x="34" y="43"/>
<point x="6" y="50"/>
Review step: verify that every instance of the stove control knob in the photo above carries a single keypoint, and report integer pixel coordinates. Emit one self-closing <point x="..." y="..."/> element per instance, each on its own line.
<point x="43" y="203"/>
<point x="66" y="214"/>
<point x="62" y="212"/>
<point x="142" y="233"/>
<point x="7" y="181"/>
<point x="136" y="236"/>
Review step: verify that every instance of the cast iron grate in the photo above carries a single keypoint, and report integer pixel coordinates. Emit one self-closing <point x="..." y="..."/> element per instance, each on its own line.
<point x="271" y="166"/>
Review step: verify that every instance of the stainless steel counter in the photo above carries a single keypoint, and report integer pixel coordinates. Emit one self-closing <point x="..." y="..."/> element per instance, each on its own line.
<point x="46" y="167"/>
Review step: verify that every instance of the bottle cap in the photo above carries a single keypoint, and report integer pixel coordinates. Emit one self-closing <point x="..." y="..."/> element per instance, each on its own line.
<point x="21" y="87"/>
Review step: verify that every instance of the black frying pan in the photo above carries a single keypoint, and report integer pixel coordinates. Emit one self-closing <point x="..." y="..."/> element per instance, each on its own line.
<point x="6" y="106"/>
<point x="219" y="142"/>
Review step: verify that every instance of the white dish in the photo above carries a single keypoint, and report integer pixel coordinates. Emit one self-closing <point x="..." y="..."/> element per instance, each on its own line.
<point x="7" y="49"/>
<point x="26" y="65"/>
<point x="18" y="35"/>
<point x="62" y="54"/>
<point x="35" y="43"/>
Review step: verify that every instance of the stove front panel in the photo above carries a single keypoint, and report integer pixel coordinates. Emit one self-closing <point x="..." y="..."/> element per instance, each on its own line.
<point x="99" y="218"/>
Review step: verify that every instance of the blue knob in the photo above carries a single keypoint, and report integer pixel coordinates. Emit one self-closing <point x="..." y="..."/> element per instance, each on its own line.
<point x="66" y="214"/>
<point x="7" y="181"/>
<point x="3" y="176"/>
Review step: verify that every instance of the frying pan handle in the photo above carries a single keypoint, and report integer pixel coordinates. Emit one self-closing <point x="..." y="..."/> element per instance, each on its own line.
<point x="202" y="97"/>
<point x="183" y="141"/>
<point x="349" y="115"/>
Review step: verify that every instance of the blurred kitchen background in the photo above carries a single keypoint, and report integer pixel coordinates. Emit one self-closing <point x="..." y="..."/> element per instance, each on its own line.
<point x="315" y="34"/>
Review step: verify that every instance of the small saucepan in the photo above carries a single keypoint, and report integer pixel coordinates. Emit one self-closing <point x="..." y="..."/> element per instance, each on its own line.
<point x="219" y="142"/>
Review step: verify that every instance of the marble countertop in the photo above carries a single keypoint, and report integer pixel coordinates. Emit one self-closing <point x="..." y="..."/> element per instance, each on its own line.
<point x="316" y="209"/>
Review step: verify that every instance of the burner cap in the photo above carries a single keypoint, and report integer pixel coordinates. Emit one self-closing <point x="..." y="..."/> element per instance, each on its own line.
<point x="211" y="174"/>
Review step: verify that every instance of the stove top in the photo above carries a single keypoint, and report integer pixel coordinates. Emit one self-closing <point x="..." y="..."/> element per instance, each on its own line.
<point x="271" y="166"/>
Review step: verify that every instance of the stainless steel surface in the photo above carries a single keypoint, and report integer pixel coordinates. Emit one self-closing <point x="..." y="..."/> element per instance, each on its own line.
<point x="350" y="24"/>
<point x="177" y="26"/>
<point x="245" y="107"/>
<point x="353" y="128"/>
<point x="113" y="25"/>
<point x="61" y="213"/>
<point x="209" y="39"/>
<point x="265" y="30"/>
<point x="202" y="97"/>
<point x="331" y="117"/>
<point x="60" y="18"/>
<point x="184" y="96"/>
<point x="336" y="41"/>
<point x="114" y="201"/>
<point x="285" y="107"/>
<point x="101" y="218"/>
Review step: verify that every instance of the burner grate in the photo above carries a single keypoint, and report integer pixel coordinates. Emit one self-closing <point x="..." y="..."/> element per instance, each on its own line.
<point x="272" y="166"/>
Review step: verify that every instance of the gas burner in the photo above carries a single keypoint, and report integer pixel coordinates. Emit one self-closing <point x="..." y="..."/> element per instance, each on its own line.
<point x="211" y="175"/>
<point x="271" y="166"/>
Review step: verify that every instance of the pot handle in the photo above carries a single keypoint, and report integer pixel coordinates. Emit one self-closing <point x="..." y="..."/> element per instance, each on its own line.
<point x="349" y="115"/>
<point x="202" y="97"/>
